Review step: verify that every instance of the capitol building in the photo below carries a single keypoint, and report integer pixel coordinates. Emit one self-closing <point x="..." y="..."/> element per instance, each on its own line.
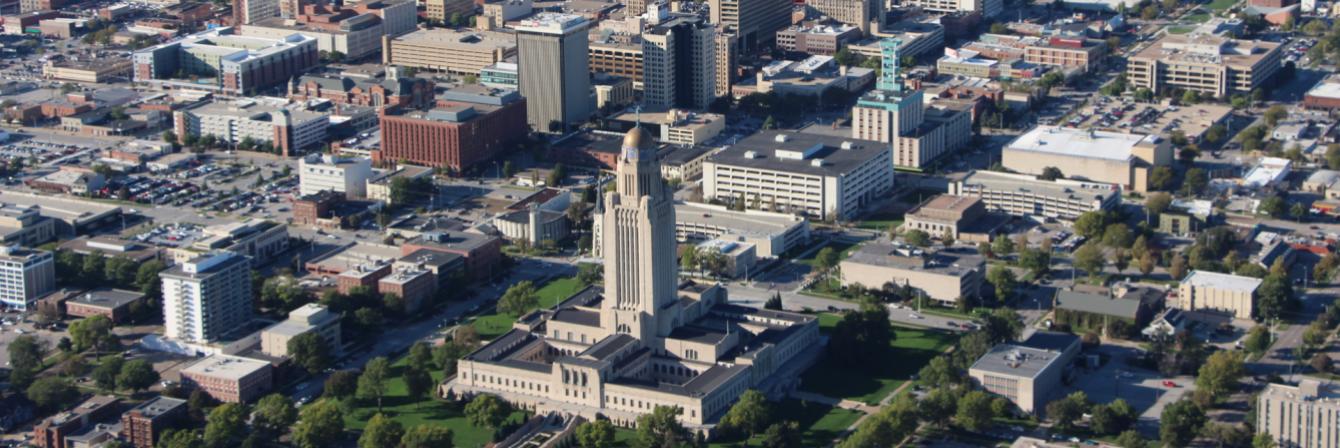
<point x="646" y="338"/>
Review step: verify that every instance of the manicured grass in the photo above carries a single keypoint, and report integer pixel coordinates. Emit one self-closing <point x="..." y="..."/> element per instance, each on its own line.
<point x="493" y="325"/>
<point x="819" y="423"/>
<point x="412" y="412"/>
<point x="881" y="222"/>
<point x="557" y="290"/>
<point x="1220" y="5"/>
<point x="1197" y="17"/>
<point x="913" y="348"/>
<point x="844" y="249"/>
<point x="1180" y="29"/>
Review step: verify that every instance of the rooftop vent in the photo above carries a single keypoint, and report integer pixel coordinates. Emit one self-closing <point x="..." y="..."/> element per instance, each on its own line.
<point x="780" y="138"/>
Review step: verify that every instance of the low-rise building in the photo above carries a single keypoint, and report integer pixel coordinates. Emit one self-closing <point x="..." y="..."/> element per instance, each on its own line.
<point x="1099" y="156"/>
<point x="1118" y="313"/>
<point x="288" y="130"/>
<point x="325" y="172"/>
<point x="388" y="89"/>
<point x="684" y="162"/>
<point x="943" y="276"/>
<point x="772" y="234"/>
<point x="24" y="225"/>
<point x="963" y="217"/>
<point x="1213" y="65"/>
<point x="808" y="77"/>
<point x="356" y="32"/>
<point x="309" y="318"/>
<point x="69" y="179"/>
<point x="672" y="126"/>
<point x="817" y="39"/>
<point x="533" y="225"/>
<point x="612" y="92"/>
<point x="459" y="52"/>
<point x="470" y="125"/>
<point x="230" y="379"/>
<point x="414" y="285"/>
<point x="1028" y="374"/>
<point x="740" y="257"/>
<point x="331" y="210"/>
<point x="817" y="175"/>
<point x="53" y="431"/>
<point x="145" y="423"/>
<point x="1234" y="295"/>
<point x="482" y="253"/>
<point x="225" y="61"/>
<point x="112" y="303"/>
<point x="1065" y="52"/>
<point x="1324" y="95"/>
<point x="1025" y="195"/>
<point x="1296" y="416"/>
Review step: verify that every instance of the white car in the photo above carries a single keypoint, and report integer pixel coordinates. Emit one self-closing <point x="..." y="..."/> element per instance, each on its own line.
<point x="914" y="316"/>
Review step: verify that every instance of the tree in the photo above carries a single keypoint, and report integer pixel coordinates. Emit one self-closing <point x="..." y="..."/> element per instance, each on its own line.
<point x="1117" y="235"/>
<point x="418" y="383"/>
<point x="1037" y="261"/>
<point x="783" y="435"/>
<point x="1162" y="179"/>
<point x="320" y="424"/>
<point x="226" y="426"/>
<point x="1220" y="372"/>
<point x="939" y="406"/>
<point x="1180" y="422"/>
<point x="420" y="356"/>
<point x="52" y="393"/>
<point x="1298" y="211"/>
<point x="372" y="384"/>
<point x="1274" y="206"/>
<point x="427" y="436"/>
<point x="1157" y="203"/>
<point x="486" y="411"/>
<point x="1258" y="339"/>
<point x="1002" y="246"/>
<point x="94" y="332"/>
<point x="1112" y="418"/>
<point x="774" y="302"/>
<point x="1002" y="278"/>
<point x="556" y="175"/>
<point x="105" y="374"/>
<point x="1091" y="224"/>
<point x="595" y="434"/>
<point x="1131" y="439"/>
<point x="519" y="299"/>
<point x="974" y="411"/>
<point x="310" y="351"/>
<point x="25" y="360"/>
<point x="917" y="238"/>
<point x="1177" y="269"/>
<point x="1321" y="363"/>
<point x="1089" y="258"/>
<point x="827" y="259"/>
<point x="1051" y="173"/>
<point x="1274" y="114"/>
<point x="749" y="414"/>
<point x="1190" y="97"/>
<point x="1146" y="264"/>
<point x="861" y="336"/>
<point x="938" y="373"/>
<point x="1064" y="412"/>
<point x="137" y="375"/>
<point x="381" y="432"/>
<point x="198" y="405"/>
<point x="341" y="384"/>
<point x="273" y="415"/>
<point x="1194" y="181"/>
<point x="1263" y="440"/>
<point x="660" y="429"/>
<point x="180" y="438"/>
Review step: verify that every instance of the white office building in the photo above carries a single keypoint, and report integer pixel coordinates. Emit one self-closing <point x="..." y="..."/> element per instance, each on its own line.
<point x="25" y="275"/>
<point x="206" y="297"/>
<point x="325" y="172"/>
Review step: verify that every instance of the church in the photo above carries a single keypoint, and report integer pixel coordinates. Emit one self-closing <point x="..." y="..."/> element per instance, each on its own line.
<point x="647" y="338"/>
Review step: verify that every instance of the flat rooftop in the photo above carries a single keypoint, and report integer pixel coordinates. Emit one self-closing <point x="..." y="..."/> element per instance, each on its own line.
<point x="1023" y="183"/>
<point x="798" y="152"/>
<point x="892" y="255"/>
<point x="1207" y="279"/>
<point x="740" y="223"/>
<point x="106" y="298"/>
<point x="1080" y="143"/>
<point x="225" y="367"/>
<point x="354" y="255"/>
<point x="252" y="110"/>
<point x="472" y="40"/>
<point x="1327" y="88"/>
<point x="1016" y="361"/>
<point x="1208" y="50"/>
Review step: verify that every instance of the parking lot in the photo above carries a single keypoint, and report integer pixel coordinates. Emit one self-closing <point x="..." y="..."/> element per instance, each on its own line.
<point x="1146" y="391"/>
<point x="12" y="326"/>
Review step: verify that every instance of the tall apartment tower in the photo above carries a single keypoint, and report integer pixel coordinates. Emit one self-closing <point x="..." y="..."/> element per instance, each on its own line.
<point x="727" y="55"/>
<point x="638" y="239"/>
<point x="246" y="12"/>
<point x="858" y="13"/>
<point x="25" y="275"/>
<point x="679" y="60"/>
<point x="891" y="109"/>
<point x="755" y="21"/>
<point x="554" y="75"/>
<point x="206" y="297"/>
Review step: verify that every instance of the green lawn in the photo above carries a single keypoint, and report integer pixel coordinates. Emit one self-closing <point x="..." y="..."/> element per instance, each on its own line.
<point x="844" y="249"/>
<point x="1199" y="16"/>
<point x="412" y="412"/>
<point x="557" y="290"/>
<point x="493" y="325"/>
<point x="819" y="424"/>
<point x="1220" y="5"/>
<point x="913" y="348"/>
<point x="1180" y="29"/>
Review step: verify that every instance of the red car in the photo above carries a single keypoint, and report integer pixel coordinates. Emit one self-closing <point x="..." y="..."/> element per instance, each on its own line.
<point x="1169" y="384"/>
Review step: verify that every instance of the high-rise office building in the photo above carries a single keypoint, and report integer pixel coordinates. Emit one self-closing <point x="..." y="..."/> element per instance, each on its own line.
<point x="554" y="77"/>
<point x="895" y="114"/>
<point x="206" y="297"/>
<point x="25" y="275"/>
<point x="755" y="21"/>
<point x="246" y="12"/>
<point x="679" y="63"/>
<point x="1306" y="415"/>
<point x="727" y="50"/>
<point x="858" y="13"/>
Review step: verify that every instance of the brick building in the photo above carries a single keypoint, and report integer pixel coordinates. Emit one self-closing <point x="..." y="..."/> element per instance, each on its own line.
<point x="414" y="284"/>
<point x="230" y="379"/>
<point x="391" y="89"/>
<point x="51" y="433"/>
<point x="143" y="425"/>
<point x="482" y="252"/>
<point x="113" y="303"/>
<point x="470" y="125"/>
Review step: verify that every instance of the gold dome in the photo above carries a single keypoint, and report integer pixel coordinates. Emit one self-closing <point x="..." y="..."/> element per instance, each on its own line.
<point x="637" y="138"/>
